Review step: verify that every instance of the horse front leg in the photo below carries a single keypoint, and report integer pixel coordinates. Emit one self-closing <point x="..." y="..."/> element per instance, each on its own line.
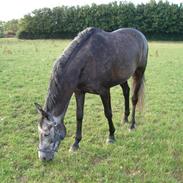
<point x="80" y="98"/>
<point x="106" y="100"/>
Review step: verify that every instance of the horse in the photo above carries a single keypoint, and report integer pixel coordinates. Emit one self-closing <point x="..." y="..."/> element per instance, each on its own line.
<point x="94" y="62"/>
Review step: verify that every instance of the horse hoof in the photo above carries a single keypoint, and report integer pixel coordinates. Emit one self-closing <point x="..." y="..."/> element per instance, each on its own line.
<point x="74" y="148"/>
<point x="132" y="128"/>
<point x="110" y="140"/>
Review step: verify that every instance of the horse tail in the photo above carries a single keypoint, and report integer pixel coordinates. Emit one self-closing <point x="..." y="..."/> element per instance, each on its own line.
<point x="140" y="94"/>
<point x="138" y="86"/>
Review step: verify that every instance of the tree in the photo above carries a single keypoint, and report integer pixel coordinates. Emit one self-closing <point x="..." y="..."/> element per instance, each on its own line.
<point x="11" y="27"/>
<point x="1" y="29"/>
<point x="159" y="19"/>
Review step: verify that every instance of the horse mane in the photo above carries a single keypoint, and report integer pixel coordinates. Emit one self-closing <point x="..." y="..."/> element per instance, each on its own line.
<point x="58" y="68"/>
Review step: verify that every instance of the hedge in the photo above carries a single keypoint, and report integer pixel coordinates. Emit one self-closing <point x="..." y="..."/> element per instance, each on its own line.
<point x="153" y="19"/>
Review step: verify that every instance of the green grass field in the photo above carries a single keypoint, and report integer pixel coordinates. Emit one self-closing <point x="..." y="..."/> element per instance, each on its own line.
<point x="152" y="153"/>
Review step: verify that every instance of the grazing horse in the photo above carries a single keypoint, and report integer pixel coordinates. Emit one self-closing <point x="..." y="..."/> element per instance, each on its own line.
<point x="94" y="62"/>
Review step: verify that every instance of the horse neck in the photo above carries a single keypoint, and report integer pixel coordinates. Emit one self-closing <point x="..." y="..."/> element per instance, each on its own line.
<point x="62" y="86"/>
<point x="57" y="101"/>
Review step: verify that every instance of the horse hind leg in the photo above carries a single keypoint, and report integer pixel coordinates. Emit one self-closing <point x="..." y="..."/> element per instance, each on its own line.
<point x="126" y="94"/>
<point x="138" y="92"/>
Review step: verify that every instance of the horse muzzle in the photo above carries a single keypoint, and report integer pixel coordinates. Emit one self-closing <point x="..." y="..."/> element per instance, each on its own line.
<point x="48" y="154"/>
<point x="45" y="156"/>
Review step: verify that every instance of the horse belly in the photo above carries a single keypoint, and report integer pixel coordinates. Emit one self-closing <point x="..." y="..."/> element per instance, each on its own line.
<point x="116" y="76"/>
<point x="91" y="87"/>
<point x="96" y="83"/>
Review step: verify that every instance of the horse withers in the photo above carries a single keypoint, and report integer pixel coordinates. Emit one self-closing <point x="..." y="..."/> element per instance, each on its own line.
<point x="94" y="62"/>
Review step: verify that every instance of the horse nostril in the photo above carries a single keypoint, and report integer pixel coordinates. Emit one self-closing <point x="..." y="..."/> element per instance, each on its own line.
<point x="44" y="158"/>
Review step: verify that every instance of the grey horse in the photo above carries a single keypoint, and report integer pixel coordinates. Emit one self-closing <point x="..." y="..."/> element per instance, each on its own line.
<point x="94" y="62"/>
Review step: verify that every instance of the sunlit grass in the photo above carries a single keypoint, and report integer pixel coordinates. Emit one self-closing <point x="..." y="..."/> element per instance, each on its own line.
<point x="152" y="153"/>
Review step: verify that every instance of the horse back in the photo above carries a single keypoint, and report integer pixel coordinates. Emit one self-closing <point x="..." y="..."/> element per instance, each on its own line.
<point x="112" y="57"/>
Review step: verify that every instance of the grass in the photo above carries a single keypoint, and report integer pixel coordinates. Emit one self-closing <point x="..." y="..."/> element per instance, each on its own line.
<point x="152" y="153"/>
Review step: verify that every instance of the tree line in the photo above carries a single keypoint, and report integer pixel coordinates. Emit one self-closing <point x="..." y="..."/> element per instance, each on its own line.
<point x="9" y="28"/>
<point x="159" y="20"/>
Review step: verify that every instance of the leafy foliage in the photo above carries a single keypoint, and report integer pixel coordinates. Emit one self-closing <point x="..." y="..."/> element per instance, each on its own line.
<point x="152" y="18"/>
<point x="1" y="29"/>
<point x="9" y="28"/>
<point x="11" y="25"/>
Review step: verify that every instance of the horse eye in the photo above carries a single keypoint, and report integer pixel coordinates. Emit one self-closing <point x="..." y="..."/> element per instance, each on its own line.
<point x="46" y="134"/>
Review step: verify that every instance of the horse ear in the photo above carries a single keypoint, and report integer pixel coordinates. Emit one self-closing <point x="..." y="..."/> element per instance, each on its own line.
<point x="38" y="107"/>
<point x="40" y="110"/>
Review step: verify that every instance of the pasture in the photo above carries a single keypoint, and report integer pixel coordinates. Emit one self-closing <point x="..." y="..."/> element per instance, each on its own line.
<point x="151" y="153"/>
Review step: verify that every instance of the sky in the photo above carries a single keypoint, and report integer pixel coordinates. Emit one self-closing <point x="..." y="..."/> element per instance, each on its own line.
<point x="15" y="9"/>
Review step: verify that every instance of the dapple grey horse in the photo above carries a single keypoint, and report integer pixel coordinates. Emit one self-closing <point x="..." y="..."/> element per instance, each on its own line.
<point x="94" y="62"/>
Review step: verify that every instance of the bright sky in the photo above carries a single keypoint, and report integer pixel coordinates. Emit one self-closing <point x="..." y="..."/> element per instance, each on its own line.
<point x="15" y="9"/>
